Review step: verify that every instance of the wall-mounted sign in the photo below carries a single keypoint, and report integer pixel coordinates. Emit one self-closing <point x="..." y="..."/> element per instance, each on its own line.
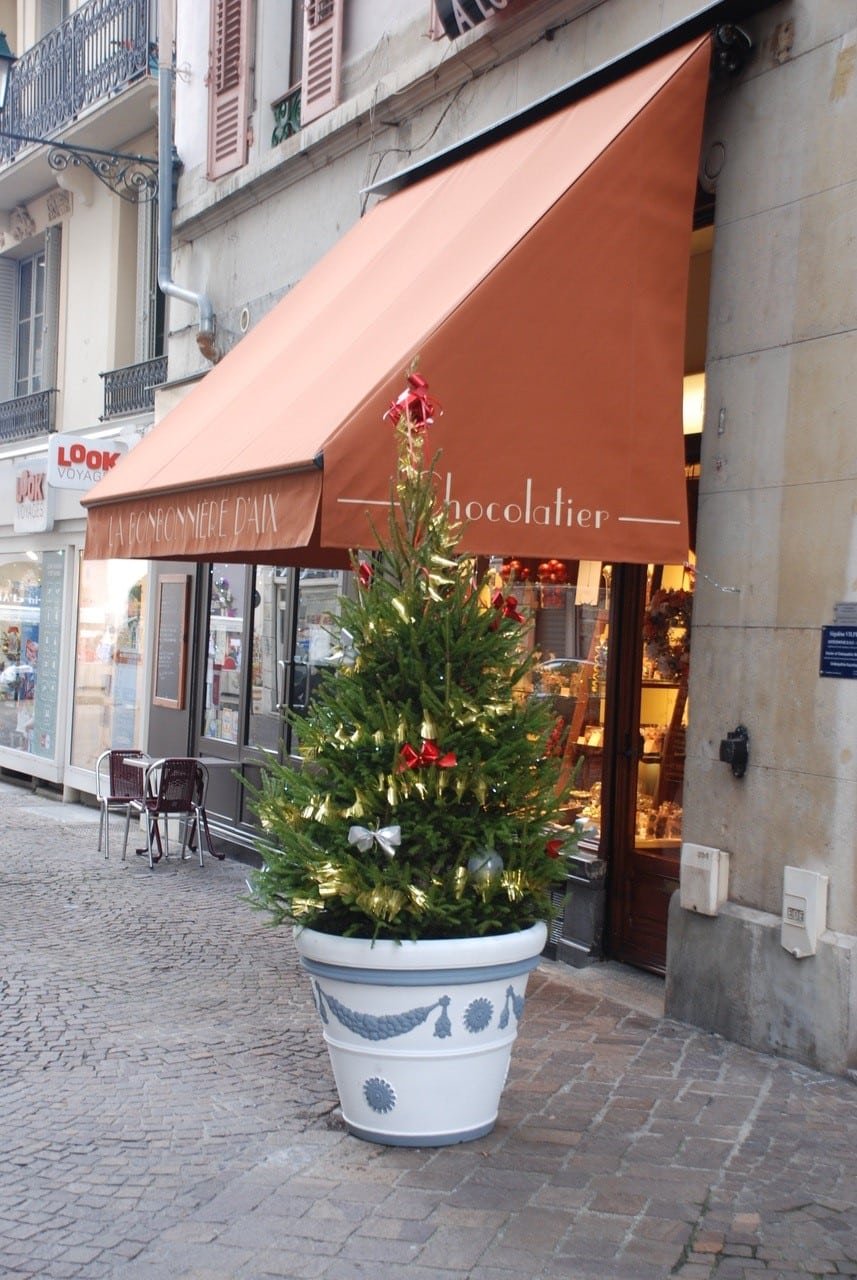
<point x="458" y="16"/>
<point x="77" y="462"/>
<point x="34" y="508"/>
<point x="171" y="640"/>
<point x="839" y="652"/>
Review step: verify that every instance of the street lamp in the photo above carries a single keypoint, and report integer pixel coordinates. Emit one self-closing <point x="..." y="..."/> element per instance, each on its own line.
<point x="7" y="57"/>
<point x="131" y="177"/>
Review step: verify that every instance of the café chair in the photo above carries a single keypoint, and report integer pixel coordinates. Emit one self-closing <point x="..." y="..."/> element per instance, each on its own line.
<point x="200" y="818"/>
<point x="117" y="785"/>
<point x="170" y="790"/>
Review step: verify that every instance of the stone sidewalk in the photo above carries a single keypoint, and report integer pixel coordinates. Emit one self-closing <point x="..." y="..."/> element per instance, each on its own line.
<point x="167" y="1111"/>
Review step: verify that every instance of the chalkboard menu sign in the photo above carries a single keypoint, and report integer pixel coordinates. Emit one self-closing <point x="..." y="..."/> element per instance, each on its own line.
<point x="171" y="642"/>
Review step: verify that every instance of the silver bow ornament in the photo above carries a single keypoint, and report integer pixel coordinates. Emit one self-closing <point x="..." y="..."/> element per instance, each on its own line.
<point x="387" y="838"/>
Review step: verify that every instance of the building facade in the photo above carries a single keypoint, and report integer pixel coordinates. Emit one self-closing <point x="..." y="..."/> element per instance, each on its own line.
<point x="82" y="348"/>
<point x="704" y="694"/>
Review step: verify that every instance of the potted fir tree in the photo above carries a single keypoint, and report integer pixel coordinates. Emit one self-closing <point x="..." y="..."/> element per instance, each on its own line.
<point x="412" y="848"/>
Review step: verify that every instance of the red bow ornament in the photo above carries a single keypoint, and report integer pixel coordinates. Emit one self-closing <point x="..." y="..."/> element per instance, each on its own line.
<point x="553" y="848"/>
<point x="415" y="405"/>
<point x="430" y="753"/>
<point x="507" y="605"/>
<point x="365" y="574"/>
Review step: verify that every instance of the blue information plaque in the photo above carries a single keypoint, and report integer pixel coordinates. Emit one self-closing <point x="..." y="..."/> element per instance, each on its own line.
<point x="839" y="652"/>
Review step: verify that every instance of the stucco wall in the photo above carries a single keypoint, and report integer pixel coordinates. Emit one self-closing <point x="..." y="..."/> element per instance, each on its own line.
<point x="777" y="527"/>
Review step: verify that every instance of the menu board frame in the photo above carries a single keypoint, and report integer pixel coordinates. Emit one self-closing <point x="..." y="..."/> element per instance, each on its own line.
<point x="171" y="641"/>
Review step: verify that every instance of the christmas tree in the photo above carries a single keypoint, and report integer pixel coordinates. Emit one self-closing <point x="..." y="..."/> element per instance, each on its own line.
<point x="422" y="804"/>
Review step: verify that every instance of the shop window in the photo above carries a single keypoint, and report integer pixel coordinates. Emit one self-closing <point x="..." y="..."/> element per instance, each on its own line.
<point x="664" y="706"/>
<point x="226" y="654"/>
<point x="567" y="603"/>
<point x="270" y="638"/>
<point x="110" y="667"/>
<point x="31" y="599"/>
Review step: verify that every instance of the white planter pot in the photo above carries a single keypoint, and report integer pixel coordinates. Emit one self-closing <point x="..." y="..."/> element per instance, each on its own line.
<point x="420" y="1033"/>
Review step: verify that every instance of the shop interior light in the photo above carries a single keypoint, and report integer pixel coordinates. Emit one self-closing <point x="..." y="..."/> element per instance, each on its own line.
<point x="693" y="406"/>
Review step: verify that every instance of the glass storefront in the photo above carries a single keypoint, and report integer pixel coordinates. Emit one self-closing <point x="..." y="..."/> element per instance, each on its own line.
<point x="226" y="652"/>
<point x="268" y="641"/>
<point x="568" y="604"/>
<point x="109" y="672"/>
<point x="31" y="596"/>
<point x="663" y="707"/>
<point x="612" y="666"/>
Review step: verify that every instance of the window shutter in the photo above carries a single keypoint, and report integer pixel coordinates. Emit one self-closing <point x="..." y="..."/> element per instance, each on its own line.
<point x="53" y="247"/>
<point x="228" y="86"/>
<point x="144" y="342"/>
<point x="322" y="60"/>
<point x="8" y="326"/>
<point x="51" y="14"/>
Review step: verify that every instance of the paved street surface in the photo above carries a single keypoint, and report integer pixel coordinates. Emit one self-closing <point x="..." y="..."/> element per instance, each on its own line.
<point x="167" y="1111"/>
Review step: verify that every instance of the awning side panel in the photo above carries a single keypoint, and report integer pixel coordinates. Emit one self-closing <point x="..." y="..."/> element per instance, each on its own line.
<point x="561" y="374"/>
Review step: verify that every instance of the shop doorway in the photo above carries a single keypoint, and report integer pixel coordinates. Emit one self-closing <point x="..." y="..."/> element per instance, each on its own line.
<point x="265" y="642"/>
<point x="614" y="643"/>
<point x="641" y="839"/>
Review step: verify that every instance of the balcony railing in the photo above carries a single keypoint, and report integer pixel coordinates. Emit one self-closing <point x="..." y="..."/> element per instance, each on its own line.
<point x="287" y="115"/>
<point x="25" y="416"/>
<point x="131" y="389"/>
<point x="95" y="52"/>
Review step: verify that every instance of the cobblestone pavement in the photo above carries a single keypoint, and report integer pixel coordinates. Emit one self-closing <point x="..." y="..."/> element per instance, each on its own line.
<point x="167" y="1111"/>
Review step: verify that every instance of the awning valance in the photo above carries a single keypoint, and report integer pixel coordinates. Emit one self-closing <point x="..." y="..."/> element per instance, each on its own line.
<point x="541" y="283"/>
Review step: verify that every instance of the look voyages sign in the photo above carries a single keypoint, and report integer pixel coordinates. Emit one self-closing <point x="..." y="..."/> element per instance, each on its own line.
<point x="78" y="462"/>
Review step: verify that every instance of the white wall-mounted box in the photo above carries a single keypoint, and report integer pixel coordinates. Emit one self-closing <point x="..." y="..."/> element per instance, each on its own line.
<point x="804" y="910"/>
<point x="704" y="878"/>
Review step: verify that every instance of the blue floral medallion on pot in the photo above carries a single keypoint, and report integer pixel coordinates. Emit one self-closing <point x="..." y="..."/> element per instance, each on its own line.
<point x="478" y="1014"/>
<point x="380" y="1094"/>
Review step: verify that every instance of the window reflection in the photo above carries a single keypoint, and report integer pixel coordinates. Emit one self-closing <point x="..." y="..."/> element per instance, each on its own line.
<point x="109" y="667"/>
<point x="267" y="676"/>
<point x="225" y="658"/>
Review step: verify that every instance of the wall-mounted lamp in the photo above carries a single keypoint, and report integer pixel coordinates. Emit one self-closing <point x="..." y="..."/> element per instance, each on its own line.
<point x="132" y="178"/>
<point x="732" y="49"/>
<point x="735" y="750"/>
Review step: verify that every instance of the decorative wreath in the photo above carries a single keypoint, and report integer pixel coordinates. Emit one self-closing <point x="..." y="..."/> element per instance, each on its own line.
<point x="666" y="632"/>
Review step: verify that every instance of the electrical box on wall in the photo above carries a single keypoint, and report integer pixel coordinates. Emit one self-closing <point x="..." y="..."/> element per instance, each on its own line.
<point x="704" y="879"/>
<point x="804" y="910"/>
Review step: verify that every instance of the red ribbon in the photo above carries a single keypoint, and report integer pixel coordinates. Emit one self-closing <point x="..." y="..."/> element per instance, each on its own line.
<point x="507" y="605"/>
<point x="365" y="574"/>
<point x="429" y="754"/>
<point x="415" y="405"/>
<point x="553" y="848"/>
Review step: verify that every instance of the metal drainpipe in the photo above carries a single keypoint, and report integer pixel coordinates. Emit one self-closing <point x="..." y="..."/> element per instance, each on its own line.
<point x="202" y="302"/>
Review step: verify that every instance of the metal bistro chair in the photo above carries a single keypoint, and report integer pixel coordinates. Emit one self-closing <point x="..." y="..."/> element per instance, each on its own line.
<point x="200" y="818"/>
<point x="171" y="789"/>
<point x="117" y="786"/>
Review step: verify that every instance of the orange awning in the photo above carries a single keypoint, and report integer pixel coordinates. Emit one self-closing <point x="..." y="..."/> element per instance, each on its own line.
<point x="541" y="282"/>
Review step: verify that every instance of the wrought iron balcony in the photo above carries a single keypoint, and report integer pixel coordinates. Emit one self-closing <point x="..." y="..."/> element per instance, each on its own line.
<point x="131" y="389"/>
<point x="26" y="416"/>
<point x="103" y="46"/>
<point x="287" y="115"/>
